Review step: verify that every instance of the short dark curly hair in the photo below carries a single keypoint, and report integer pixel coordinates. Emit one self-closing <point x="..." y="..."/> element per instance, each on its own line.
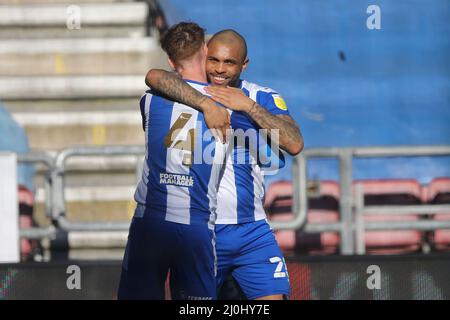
<point x="183" y="40"/>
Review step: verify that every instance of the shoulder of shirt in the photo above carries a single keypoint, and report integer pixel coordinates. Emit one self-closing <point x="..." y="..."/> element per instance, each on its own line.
<point x="255" y="87"/>
<point x="194" y="83"/>
<point x="198" y="86"/>
<point x="148" y="92"/>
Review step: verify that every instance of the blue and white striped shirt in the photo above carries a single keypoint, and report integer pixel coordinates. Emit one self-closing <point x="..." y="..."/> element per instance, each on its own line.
<point x="241" y="190"/>
<point x="174" y="186"/>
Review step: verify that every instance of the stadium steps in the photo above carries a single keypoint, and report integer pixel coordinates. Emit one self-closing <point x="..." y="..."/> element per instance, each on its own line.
<point x="71" y="128"/>
<point x="71" y="87"/>
<point x="92" y="56"/>
<point x="80" y="87"/>
<point x="56" y="20"/>
<point x="119" y="126"/>
<point x="55" y="125"/>
<point x="93" y="196"/>
<point x="97" y="188"/>
<point x="53" y="32"/>
<point x="58" y="124"/>
<point x="85" y="105"/>
<point x="85" y="211"/>
<point x="40" y="2"/>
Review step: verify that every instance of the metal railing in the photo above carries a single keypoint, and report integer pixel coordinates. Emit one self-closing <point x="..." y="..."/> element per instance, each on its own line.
<point x="59" y="208"/>
<point x="352" y="209"/>
<point x="49" y="162"/>
<point x="422" y="210"/>
<point x="55" y="202"/>
<point x="347" y="227"/>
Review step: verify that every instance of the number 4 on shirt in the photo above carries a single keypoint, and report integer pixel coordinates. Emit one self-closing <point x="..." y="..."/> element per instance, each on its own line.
<point x="187" y="144"/>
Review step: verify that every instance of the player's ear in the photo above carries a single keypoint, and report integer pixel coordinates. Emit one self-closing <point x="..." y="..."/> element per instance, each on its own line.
<point x="171" y="64"/>
<point x="245" y="64"/>
<point x="204" y="52"/>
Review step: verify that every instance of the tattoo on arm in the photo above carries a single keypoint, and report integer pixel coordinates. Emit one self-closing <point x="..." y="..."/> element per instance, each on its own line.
<point x="289" y="133"/>
<point x="171" y="85"/>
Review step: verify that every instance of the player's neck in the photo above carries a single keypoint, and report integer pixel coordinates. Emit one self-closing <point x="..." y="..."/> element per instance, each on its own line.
<point x="194" y="74"/>
<point x="194" y="69"/>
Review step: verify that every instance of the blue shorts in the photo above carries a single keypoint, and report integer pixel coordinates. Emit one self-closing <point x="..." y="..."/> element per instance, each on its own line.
<point x="155" y="246"/>
<point x="250" y="252"/>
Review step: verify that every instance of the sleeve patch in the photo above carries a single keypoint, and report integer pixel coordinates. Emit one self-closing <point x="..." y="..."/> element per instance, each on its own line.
<point x="279" y="102"/>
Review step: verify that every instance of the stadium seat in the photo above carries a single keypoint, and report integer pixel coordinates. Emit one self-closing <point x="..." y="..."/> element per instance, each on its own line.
<point x="278" y="197"/>
<point x="278" y="206"/>
<point x="26" y="204"/>
<point x="391" y="192"/>
<point x="323" y="208"/>
<point x="438" y="192"/>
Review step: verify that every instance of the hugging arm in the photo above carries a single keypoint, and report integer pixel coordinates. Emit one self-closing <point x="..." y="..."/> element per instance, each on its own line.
<point x="171" y="85"/>
<point x="290" y="138"/>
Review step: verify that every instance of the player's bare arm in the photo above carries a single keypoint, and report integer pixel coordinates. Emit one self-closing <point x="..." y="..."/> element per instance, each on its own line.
<point x="290" y="137"/>
<point x="171" y="85"/>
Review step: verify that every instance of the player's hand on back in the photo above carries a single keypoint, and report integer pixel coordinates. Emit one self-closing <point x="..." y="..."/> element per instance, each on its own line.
<point x="233" y="98"/>
<point x="217" y="119"/>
